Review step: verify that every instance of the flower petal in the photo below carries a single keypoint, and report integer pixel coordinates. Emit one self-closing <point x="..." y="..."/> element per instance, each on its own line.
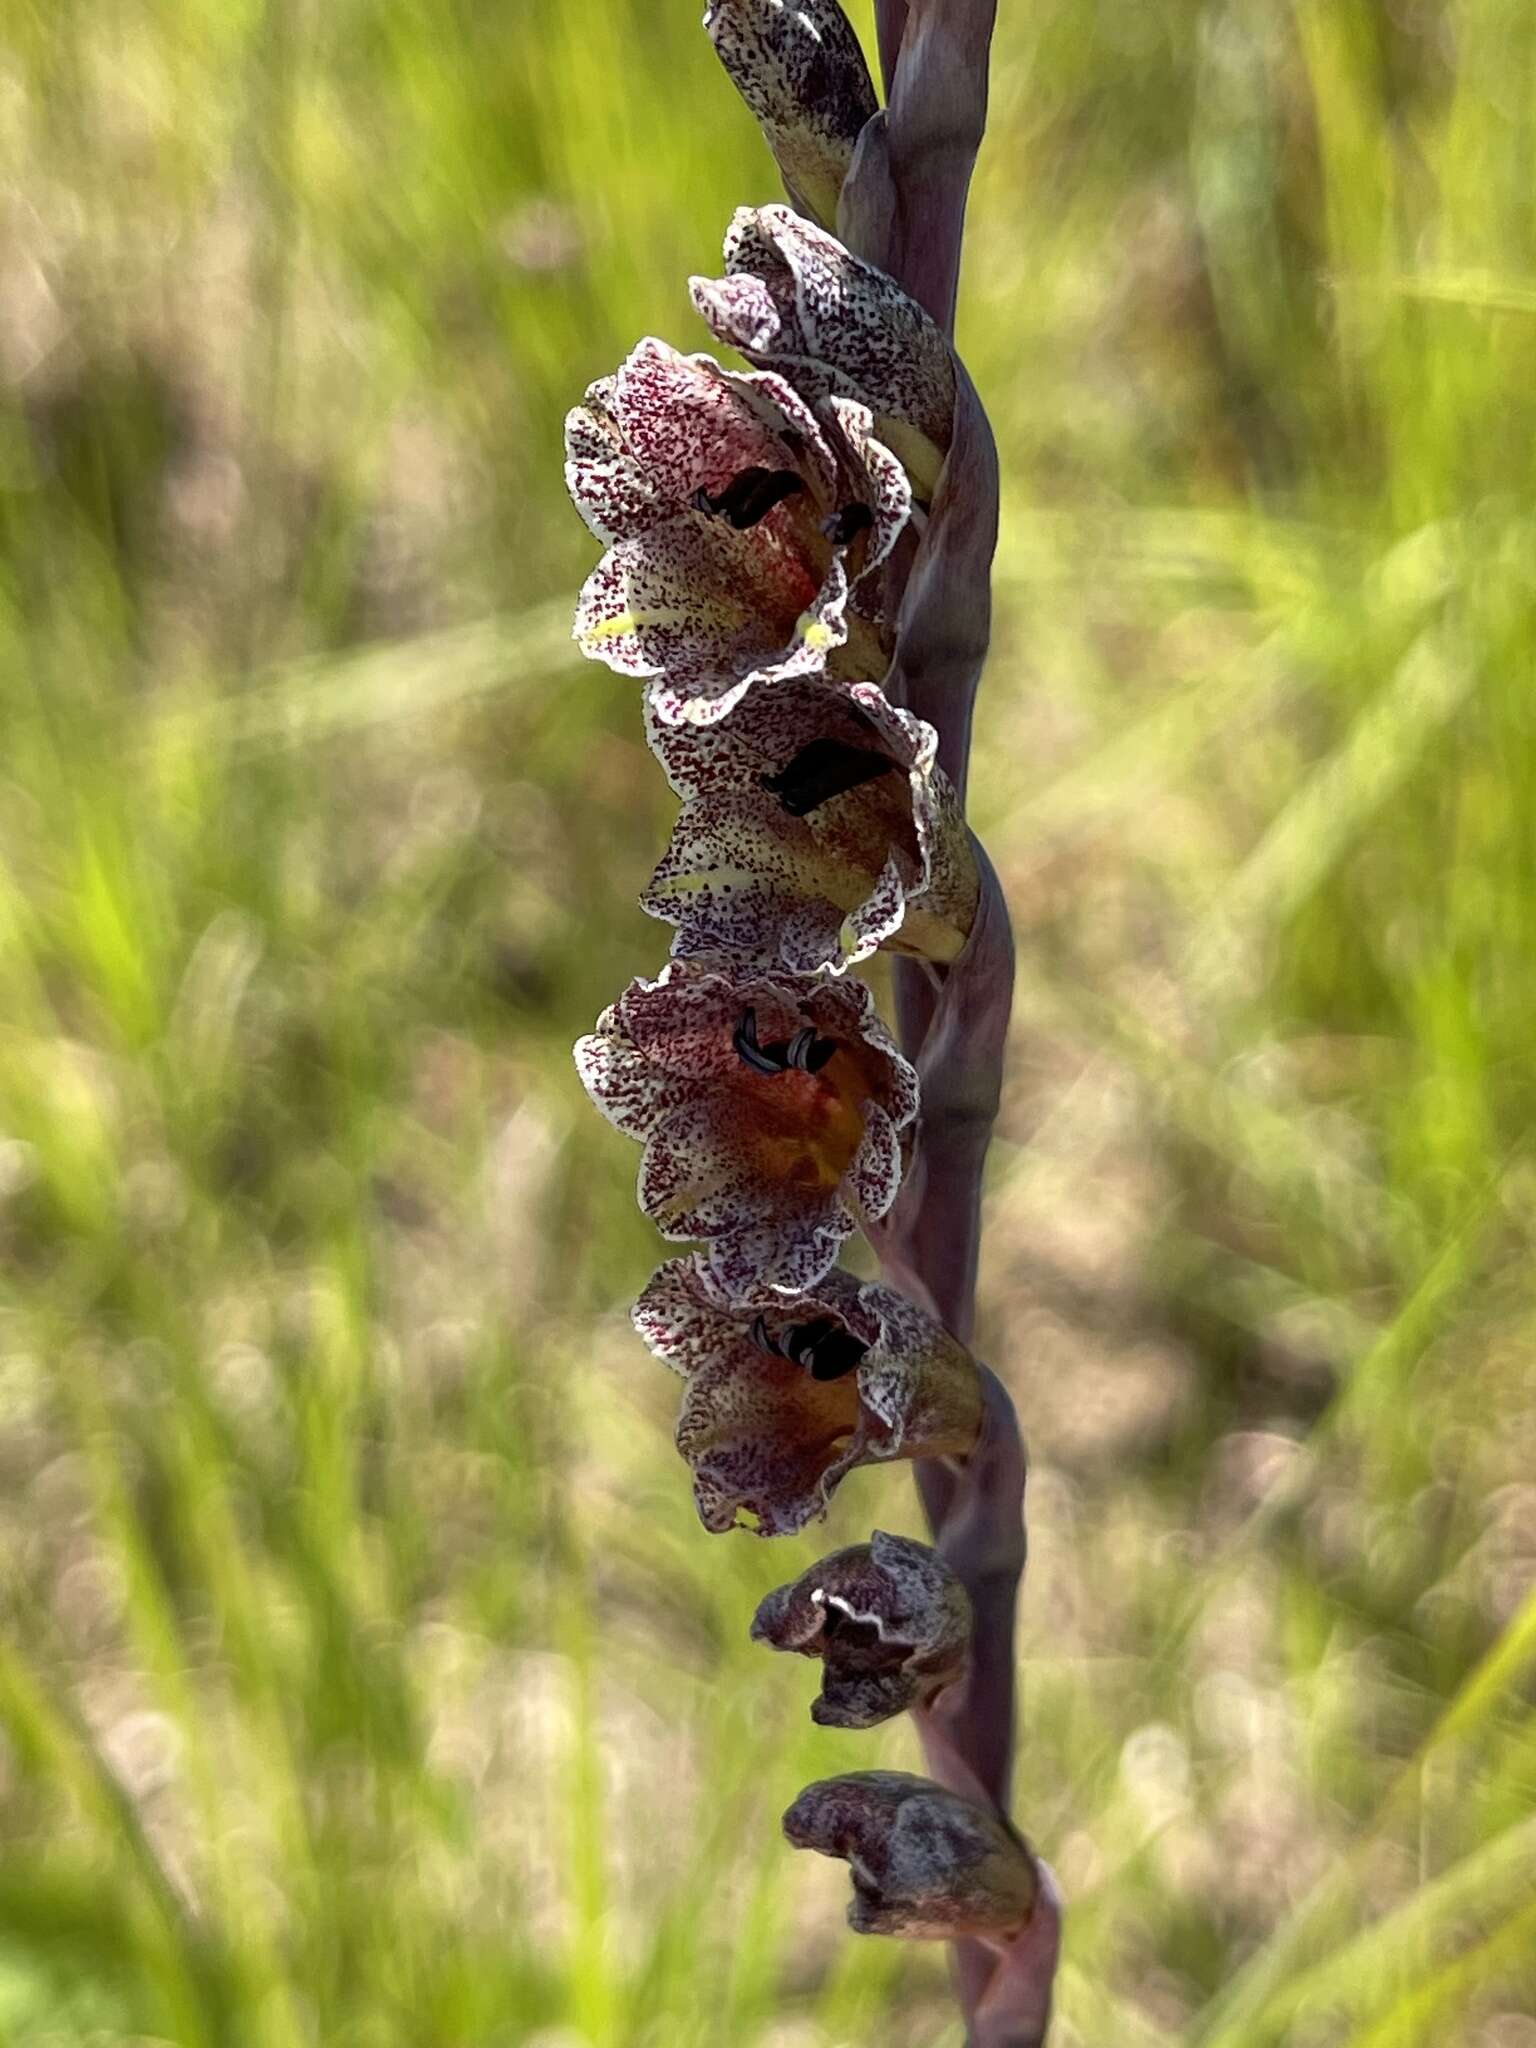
<point x="698" y="1179"/>
<point x="781" y="1377"/>
<point x="771" y="1442"/>
<point x="608" y="487"/>
<point x="693" y="692"/>
<point x="678" y="1320"/>
<point x="688" y="424"/>
<point x="694" y="593"/>
<point x="886" y="487"/>
<point x="814" y="824"/>
<point x="686" y="1019"/>
<point x="630" y="1090"/>
<point x="784" y="1255"/>
<point x="916" y="1380"/>
<point x="733" y="874"/>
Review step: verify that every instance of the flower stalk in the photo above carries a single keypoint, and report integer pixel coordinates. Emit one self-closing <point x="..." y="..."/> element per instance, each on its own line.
<point x="903" y="208"/>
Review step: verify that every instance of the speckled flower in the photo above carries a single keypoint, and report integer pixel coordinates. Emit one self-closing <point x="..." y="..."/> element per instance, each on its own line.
<point x="889" y="1620"/>
<point x="925" y="1864"/>
<point x="795" y="300"/>
<point x="799" y="67"/>
<point x="771" y="1106"/>
<point x="737" y="519"/>
<point x="815" y="827"/>
<point x="786" y="1396"/>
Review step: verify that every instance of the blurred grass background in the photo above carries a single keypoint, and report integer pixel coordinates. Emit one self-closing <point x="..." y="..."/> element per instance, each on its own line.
<point x="364" y="1676"/>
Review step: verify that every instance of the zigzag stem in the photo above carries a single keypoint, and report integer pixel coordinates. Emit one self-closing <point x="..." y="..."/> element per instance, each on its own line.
<point x="903" y="208"/>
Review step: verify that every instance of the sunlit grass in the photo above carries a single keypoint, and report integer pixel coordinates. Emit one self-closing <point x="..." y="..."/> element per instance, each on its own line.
<point x="366" y="1677"/>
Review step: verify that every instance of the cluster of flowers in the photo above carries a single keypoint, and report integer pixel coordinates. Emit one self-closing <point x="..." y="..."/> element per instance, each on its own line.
<point x="754" y="525"/>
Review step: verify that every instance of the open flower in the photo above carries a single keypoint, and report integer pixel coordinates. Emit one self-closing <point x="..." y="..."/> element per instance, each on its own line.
<point x="785" y="1397"/>
<point x="815" y="827"/>
<point x="925" y="1863"/>
<point x="889" y="1620"/>
<point x="737" y="518"/>
<point x="795" y="300"/>
<point x="771" y="1106"/>
<point x="799" y="67"/>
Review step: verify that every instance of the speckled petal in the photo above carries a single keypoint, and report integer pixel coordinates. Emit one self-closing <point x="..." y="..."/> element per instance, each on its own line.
<point x="696" y="600"/>
<point x="685" y="593"/>
<point x="882" y="480"/>
<point x="689" y="423"/>
<point x="796" y="300"/>
<point x="696" y="691"/>
<point x="916" y="1380"/>
<point x="608" y="487"/>
<point x="699" y="1179"/>
<point x="735" y="1336"/>
<point x="874" y="1179"/>
<point x="732" y="876"/>
<point x="787" y="1255"/>
<point x="684" y="1021"/>
<point x="677" y="1320"/>
<point x="627" y="1087"/>
<point x="770" y="1442"/>
<point x="887" y="861"/>
<point x="686" y="1322"/>
<point x="824" y="883"/>
<point x="849" y="1007"/>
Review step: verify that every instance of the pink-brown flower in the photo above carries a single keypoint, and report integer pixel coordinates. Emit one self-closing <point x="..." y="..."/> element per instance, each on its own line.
<point x="786" y="1396"/>
<point x="771" y="1106"/>
<point x="815" y="827"/>
<point x="795" y="300"/>
<point x="799" y="67"/>
<point x="737" y="517"/>
<point x="889" y="1620"/>
<point x="925" y="1863"/>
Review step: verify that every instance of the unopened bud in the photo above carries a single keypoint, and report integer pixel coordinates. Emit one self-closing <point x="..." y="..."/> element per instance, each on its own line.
<point x="799" y="67"/>
<point x="926" y="1864"/>
<point x="889" y="1620"/>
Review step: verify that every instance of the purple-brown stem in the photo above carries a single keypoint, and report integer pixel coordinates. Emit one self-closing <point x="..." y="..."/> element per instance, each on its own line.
<point x="890" y="27"/>
<point x="903" y="208"/>
<point x="936" y="113"/>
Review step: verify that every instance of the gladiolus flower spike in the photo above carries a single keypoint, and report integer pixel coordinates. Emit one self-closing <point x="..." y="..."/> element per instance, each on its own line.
<point x="795" y="565"/>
